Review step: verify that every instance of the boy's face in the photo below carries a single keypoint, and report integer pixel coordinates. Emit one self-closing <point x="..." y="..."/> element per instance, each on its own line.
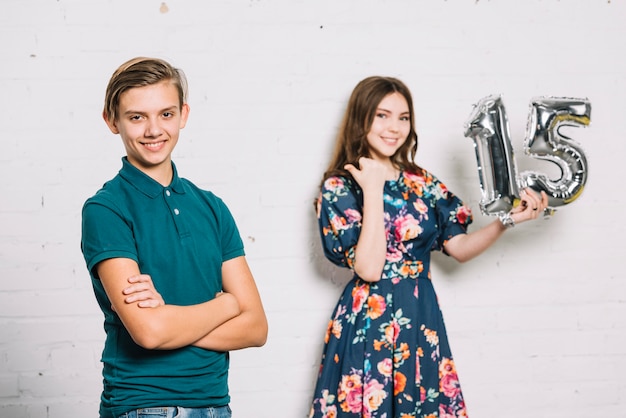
<point x="149" y="122"/>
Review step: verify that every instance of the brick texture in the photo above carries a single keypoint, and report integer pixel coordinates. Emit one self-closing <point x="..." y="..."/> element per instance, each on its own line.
<point x="537" y="323"/>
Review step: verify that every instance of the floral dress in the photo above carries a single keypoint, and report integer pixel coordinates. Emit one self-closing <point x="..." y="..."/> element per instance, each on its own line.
<point x="386" y="352"/>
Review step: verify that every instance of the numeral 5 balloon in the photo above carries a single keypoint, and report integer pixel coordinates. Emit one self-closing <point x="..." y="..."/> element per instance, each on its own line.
<point x="500" y="182"/>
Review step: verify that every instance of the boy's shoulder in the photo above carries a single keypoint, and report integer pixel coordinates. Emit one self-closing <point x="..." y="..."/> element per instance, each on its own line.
<point x="109" y="194"/>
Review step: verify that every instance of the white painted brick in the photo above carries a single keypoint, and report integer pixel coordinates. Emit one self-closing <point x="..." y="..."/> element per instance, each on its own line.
<point x="21" y="410"/>
<point x="34" y="331"/>
<point x="539" y="317"/>
<point x="46" y="303"/>
<point x="54" y="384"/>
<point x="8" y="386"/>
<point x="29" y="359"/>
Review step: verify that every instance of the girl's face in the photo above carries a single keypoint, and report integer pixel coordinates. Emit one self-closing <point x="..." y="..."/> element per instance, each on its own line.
<point x="390" y="128"/>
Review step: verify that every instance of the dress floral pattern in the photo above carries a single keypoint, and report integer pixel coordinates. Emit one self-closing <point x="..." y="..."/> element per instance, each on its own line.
<point x="386" y="353"/>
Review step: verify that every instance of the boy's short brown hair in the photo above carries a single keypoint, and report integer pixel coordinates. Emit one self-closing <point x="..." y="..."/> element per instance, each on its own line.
<point x="140" y="72"/>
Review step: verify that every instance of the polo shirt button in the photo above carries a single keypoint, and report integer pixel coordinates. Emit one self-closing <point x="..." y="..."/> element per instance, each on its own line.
<point x="167" y="192"/>
<point x="176" y="211"/>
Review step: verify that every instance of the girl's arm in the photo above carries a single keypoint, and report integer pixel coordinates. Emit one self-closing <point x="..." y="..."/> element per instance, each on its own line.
<point x="464" y="247"/>
<point x="371" y="247"/>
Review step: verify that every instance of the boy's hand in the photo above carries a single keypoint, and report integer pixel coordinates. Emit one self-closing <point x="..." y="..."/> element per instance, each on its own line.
<point x="142" y="291"/>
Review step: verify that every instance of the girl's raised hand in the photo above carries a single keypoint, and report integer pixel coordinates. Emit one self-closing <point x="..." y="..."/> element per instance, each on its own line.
<point x="531" y="206"/>
<point x="371" y="175"/>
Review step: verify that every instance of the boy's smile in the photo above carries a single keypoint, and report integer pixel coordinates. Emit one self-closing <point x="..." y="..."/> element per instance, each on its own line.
<point x="149" y="123"/>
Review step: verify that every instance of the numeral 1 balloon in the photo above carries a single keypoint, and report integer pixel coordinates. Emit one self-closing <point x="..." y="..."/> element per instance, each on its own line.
<point x="500" y="182"/>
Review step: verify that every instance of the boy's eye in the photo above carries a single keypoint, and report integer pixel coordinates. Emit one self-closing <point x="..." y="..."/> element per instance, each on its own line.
<point x="168" y="114"/>
<point x="135" y="117"/>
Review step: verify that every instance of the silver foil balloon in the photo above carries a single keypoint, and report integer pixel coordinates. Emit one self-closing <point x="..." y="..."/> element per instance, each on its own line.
<point x="545" y="142"/>
<point x="499" y="181"/>
<point x="488" y="126"/>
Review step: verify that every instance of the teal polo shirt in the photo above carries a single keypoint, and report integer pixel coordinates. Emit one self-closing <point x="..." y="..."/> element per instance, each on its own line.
<point x="180" y="235"/>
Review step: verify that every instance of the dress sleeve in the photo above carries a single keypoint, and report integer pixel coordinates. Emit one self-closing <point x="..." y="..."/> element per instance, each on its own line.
<point x="453" y="217"/>
<point x="339" y="216"/>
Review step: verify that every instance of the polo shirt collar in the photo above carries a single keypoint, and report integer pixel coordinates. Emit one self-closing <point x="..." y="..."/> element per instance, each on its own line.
<point x="146" y="184"/>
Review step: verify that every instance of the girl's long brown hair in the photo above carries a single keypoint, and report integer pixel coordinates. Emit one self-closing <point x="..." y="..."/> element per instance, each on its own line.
<point x="352" y="142"/>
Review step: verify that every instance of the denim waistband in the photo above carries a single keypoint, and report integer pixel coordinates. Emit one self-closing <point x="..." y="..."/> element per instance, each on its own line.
<point x="179" y="412"/>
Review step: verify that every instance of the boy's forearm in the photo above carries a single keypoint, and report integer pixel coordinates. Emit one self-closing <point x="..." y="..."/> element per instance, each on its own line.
<point x="170" y="327"/>
<point x="164" y="327"/>
<point x="248" y="329"/>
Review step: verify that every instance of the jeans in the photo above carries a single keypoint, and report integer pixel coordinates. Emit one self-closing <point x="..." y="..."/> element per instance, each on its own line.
<point x="179" y="412"/>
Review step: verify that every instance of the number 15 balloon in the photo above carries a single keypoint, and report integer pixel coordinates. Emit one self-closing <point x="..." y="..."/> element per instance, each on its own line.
<point x="500" y="182"/>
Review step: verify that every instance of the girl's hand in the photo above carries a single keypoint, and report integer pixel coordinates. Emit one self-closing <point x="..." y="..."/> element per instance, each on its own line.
<point x="371" y="175"/>
<point x="142" y="291"/>
<point x="531" y="206"/>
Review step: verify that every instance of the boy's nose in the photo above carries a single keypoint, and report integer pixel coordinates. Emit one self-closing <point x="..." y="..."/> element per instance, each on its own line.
<point x="153" y="130"/>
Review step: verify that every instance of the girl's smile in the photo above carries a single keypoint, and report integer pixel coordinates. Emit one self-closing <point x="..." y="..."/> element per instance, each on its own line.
<point x="390" y="127"/>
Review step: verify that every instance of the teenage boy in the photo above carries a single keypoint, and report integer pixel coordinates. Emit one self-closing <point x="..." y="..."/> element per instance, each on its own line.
<point x="166" y="261"/>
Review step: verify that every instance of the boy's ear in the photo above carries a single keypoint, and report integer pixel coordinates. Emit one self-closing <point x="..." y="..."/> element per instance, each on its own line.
<point x="184" y="114"/>
<point x="110" y="123"/>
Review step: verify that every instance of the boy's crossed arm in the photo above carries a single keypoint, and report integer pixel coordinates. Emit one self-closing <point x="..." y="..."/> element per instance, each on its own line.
<point x="233" y="320"/>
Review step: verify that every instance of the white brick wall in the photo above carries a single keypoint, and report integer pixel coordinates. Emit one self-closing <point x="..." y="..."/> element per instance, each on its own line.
<point x="537" y="323"/>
